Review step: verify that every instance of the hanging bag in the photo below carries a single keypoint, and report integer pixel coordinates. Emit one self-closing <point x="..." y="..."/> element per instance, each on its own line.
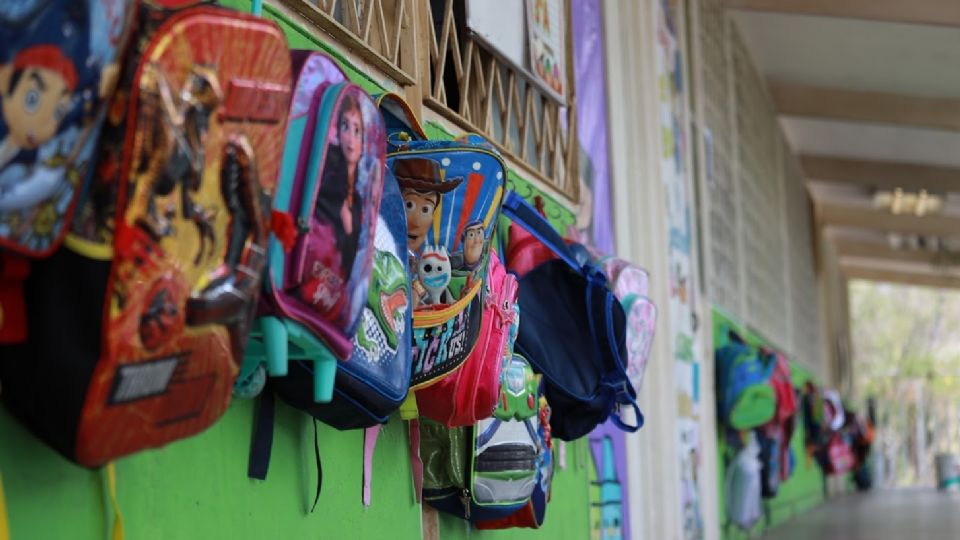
<point x="452" y="192"/>
<point x="137" y="331"/>
<point x="58" y="71"/>
<point x="373" y="381"/>
<point x="322" y="222"/>
<point x="487" y="471"/>
<point x="470" y="394"/>
<point x="573" y="332"/>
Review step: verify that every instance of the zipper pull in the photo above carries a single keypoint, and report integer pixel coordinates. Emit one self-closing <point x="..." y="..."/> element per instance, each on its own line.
<point x="465" y="500"/>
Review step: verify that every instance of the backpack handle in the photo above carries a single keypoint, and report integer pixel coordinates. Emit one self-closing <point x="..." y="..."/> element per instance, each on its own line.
<point x="519" y="210"/>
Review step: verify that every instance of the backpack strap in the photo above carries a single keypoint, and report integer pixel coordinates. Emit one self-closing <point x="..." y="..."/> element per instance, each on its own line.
<point x="261" y="445"/>
<point x="519" y="210"/>
<point x="416" y="463"/>
<point x="13" y="308"/>
<point x="4" y="525"/>
<point x="116" y="532"/>
<point x="370" y="435"/>
<point x="316" y="455"/>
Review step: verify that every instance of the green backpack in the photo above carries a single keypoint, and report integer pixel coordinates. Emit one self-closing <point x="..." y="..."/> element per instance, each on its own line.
<point x="489" y="470"/>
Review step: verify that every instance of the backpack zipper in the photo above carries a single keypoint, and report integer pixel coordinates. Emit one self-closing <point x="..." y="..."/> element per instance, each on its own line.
<point x="428" y="318"/>
<point x="465" y="501"/>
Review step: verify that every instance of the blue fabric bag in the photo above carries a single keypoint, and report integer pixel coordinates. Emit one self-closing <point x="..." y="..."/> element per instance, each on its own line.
<point x="573" y="332"/>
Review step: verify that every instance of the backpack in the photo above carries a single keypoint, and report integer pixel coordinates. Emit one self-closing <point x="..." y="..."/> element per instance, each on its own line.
<point x="452" y="192"/>
<point x="489" y="470"/>
<point x="373" y="382"/>
<point x="836" y="455"/>
<point x="57" y="73"/>
<point x="176" y="279"/>
<point x="745" y="398"/>
<point x="320" y="253"/>
<point x="573" y="331"/>
<point x="470" y="394"/>
<point x="742" y="486"/>
<point x="782" y="426"/>
<point x="630" y="284"/>
<point x="833" y="412"/>
<point x="772" y="448"/>
<point x="534" y="513"/>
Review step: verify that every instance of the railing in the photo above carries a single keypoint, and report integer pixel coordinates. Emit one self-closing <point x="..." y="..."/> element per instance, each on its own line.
<point x="381" y="31"/>
<point x="473" y="87"/>
<point x="423" y="43"/>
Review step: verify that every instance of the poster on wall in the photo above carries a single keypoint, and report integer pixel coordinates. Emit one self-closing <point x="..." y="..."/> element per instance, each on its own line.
<point x="608" y="502"/>
<point x="500" y="26"/>
<point x="681" y="309"/>
<point x="545" y="31"/>
<point x="594" y="216"/>
<point x="609" y="489"/>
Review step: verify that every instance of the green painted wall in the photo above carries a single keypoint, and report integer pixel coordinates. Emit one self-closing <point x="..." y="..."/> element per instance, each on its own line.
<point x="804" y="489"/>
<point x="198" y="488"/>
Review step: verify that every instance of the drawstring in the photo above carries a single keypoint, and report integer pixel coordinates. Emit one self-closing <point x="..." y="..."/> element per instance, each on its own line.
<point x="370" y="435"/>
<point x="4" y="525"/>
<point x="117" y="532"/>
<point x="316" y="454"/>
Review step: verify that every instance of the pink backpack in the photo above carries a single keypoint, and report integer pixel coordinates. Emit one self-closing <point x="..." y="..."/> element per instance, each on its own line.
<point x="470" y="394"/>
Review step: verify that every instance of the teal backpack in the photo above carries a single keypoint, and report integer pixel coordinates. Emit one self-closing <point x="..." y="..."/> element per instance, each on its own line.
<point x="745" y="397"/>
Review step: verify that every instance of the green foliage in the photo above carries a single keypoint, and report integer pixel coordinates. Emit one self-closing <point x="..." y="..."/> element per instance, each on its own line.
<point x="906" y="355"/>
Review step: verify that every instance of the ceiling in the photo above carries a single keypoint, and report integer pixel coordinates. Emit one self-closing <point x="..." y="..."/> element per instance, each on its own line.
<point x="868" y="93"/>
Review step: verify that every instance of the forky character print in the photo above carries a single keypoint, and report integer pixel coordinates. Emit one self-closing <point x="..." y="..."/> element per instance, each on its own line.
<point x="434" y="274"/>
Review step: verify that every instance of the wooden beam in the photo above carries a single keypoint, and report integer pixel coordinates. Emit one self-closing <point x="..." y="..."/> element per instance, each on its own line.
<point x="906" y="278"/>
<point x="932" y="12"/>
<point x="867" y="217"/>
<point x="859" y="106"/>
<point x="847" y="247"/>
<point x="881" y="174"/>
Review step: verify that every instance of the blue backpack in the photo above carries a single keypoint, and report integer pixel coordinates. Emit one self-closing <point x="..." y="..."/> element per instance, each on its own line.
<point x="745" y="398"/>
<point x="573" y="332"/>
<point x="324" y="213"/>
<point x="58" y="70"/>
<point x="452" y="194"/>
<point x="373" y="382"/>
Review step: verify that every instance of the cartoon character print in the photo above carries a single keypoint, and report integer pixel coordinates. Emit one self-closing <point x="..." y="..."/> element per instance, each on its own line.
<point x="518" y="391"/>
<point x="169" y="196"/>
<point x="384" y="316"/>
<point x="350" y="168"/>
<point x="53" y="90"/>
<point x="422" y="184"/>
<point x="434" y="276"/>
<point x="606" y="505"/>
<point x="473" y="240"/>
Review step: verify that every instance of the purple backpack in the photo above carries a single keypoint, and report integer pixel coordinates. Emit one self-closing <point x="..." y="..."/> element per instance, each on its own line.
<point x="323" y="222"/>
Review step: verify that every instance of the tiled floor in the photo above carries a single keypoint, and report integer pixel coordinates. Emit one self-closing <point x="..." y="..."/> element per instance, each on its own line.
<point x="913" y="514"/>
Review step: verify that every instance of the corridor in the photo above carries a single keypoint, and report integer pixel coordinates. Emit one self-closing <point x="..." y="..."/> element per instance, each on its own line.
<point x="907" y="514"/>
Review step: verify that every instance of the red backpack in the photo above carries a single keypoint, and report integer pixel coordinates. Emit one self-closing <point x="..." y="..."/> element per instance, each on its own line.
<point x="470" y="394"/>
